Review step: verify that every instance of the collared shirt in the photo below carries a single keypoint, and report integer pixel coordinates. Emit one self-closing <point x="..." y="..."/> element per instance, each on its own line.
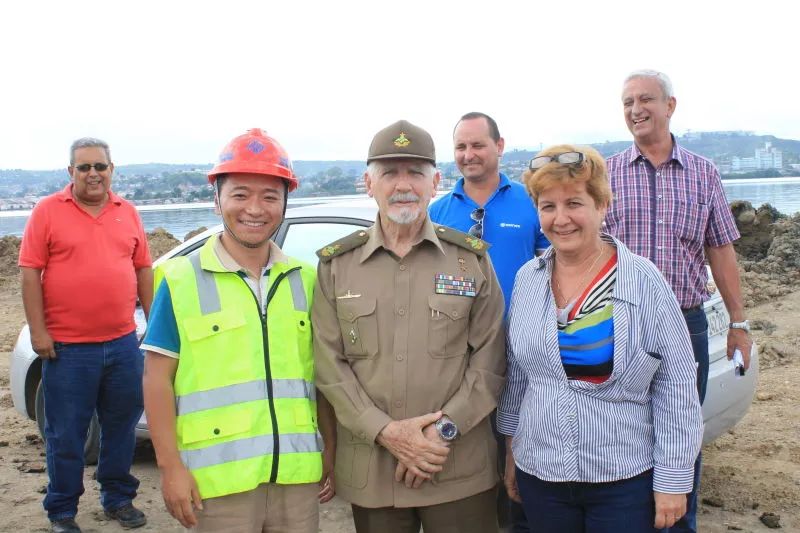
<point x="88" y="264"/>
<point x="669" y="214"/>
<point x="646" y="415"/>
<point x="510" y="225"/>
<point x="389" y="345"/>
<point x="162" y="329"/>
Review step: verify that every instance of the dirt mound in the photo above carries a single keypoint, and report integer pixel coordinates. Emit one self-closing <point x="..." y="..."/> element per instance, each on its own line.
<point x="194" y="232"/>
<point x="769" y="252"/>
<point x="161" y="241"/>
<point x="9" y="254"/>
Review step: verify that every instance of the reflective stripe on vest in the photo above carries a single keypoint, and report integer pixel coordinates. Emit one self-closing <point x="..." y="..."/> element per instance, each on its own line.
<point x="298" y="292"/>
<point x="245" y="392"/>
<point x="209" y="297"/>
<point x="238" y="450"/>
<point x="206" y="287"/>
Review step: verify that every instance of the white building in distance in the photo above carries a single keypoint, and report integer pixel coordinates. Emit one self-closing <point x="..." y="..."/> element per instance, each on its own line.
<point x="764" y="159"/>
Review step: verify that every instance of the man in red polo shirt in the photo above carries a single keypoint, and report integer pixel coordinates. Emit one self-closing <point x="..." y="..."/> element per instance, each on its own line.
<point x="84" y="261"/>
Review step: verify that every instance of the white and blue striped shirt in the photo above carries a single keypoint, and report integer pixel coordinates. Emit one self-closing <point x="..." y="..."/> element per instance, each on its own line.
<point x="646" y="415"/>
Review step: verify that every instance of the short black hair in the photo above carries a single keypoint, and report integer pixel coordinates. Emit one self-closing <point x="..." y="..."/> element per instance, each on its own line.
<point x="494" y="131"/>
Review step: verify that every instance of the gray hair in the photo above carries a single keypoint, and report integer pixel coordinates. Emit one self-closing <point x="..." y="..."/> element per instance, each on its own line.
<point x="662" y="79"/>
<point x="88" y="142"/>
<point x="374" y="166"/>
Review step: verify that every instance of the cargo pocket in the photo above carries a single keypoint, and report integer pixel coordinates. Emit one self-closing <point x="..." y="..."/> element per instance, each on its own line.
<point x="211" y="337"/>
<point x="464" y="461"/>
<point x="352" y="460"/>
<point x="214" y="427"/>
<point x="213" y="326"/>
<point x="359" y="326"/>
<point x="448" y="325"/>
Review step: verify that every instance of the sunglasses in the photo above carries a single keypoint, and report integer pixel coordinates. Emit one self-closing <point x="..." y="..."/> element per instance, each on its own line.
<point x="100" y="167"/>
<point x="477" y="229"/>
<point x="567" y="158"/>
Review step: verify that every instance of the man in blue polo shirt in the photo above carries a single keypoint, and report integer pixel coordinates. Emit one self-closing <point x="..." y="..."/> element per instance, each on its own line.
<point x="488" y="205"/>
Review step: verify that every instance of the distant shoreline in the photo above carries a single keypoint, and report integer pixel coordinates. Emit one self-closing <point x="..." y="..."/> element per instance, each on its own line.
<point x="307" y="200"/>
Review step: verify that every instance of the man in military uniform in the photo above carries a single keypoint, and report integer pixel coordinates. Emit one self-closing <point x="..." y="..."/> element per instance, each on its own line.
<point x="410" y="350"/>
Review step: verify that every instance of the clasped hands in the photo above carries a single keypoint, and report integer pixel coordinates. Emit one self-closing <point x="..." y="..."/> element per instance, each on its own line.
<point x="417" y="446"/>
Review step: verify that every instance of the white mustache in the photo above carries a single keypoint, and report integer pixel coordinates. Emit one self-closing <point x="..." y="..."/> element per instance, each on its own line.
<point x="403" y="197"/>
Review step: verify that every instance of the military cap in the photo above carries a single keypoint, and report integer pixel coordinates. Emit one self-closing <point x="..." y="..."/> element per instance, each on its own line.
<point x="402" y="140"/>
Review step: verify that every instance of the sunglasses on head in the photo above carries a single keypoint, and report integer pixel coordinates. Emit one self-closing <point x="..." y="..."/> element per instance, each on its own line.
<point x="100" y="167"/>
<point x="566" y="158"/>
<point x="477" y="229"/>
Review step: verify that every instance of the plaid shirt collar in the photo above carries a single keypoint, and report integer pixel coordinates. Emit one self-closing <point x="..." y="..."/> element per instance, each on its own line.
<point x="633" y="153"/>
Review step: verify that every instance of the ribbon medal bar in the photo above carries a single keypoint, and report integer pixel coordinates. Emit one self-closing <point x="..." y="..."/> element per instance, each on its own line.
<point x="455" y="285"/>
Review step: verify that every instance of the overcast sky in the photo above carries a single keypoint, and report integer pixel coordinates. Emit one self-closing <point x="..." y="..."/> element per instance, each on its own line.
<point x="173" y="81"/>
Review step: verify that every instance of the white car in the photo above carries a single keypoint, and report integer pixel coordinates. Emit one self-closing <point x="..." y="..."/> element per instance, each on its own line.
<point x="305" y="230"/>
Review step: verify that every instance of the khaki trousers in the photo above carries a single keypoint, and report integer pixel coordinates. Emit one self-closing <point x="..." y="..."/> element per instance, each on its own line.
<point x="269" y="508"/>
<point x="476" y="514"/>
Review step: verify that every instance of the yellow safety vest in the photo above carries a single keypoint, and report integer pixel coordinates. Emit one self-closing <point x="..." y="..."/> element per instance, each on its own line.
<point x="244" y="388"/>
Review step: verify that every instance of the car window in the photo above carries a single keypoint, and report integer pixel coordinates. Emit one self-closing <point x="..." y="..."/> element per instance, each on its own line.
<point x="303" y="239"/>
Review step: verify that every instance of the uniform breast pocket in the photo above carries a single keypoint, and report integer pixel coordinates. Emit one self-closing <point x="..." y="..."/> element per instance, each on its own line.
<point x="359" y="325"/>
<point x="448" y="325"/>
<point x="690" y="220"/>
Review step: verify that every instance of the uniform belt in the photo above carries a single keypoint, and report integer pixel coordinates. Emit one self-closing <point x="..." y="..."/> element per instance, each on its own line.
<point x="690" y="310"/>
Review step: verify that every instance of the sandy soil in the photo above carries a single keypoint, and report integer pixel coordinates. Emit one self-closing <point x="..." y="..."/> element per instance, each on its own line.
<point x="755" y="469"/>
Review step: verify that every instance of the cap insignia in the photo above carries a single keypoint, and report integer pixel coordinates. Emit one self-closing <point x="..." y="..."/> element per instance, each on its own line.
<point x="476" y="244"/>
<point x="402" y="141"/>
<point x="330" y="250"/>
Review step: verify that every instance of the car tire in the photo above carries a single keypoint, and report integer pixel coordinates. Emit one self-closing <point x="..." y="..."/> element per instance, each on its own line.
<point x="91" y="450"/>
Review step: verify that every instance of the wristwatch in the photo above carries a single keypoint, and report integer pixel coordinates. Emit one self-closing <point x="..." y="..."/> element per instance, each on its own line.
<point x="446" y="428"/>
<point x="740" y="325"/>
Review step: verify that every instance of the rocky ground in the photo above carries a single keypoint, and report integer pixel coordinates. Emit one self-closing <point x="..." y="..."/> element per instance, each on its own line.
<point x="751" y="478"/>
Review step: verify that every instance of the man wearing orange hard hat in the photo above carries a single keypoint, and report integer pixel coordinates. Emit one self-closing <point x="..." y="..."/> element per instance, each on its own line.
<point x="229" y="372"/>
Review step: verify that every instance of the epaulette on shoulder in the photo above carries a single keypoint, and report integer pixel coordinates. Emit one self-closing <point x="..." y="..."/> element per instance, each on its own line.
<point x="464" y="240"/>
<point x="345" y="244"/>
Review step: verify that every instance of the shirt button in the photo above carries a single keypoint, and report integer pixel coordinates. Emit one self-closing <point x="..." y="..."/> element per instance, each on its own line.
<point x="402" y="267"/>
<point x="401" y="311"/>
<point x="660" y="221"/>
<point x="398" y="403"/>
<point x="399" y="357"/>
<point x="659" y="197"/>
<point x="349" y="315"/>
<point x="362" y="435"/>
<point x="659" y="247"/>
<point x="455" y="313"/>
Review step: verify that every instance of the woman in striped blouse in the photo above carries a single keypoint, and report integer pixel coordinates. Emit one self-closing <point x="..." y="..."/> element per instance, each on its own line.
<point x="600" y="406"/>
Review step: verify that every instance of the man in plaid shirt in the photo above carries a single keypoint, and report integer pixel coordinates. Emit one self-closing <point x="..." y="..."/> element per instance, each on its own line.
<point x="669" y="206"/>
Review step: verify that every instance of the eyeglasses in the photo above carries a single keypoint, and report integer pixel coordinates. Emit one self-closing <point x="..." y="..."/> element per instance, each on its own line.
<point x="567" y="158"/>
<point x="477" y="229"/>
<point x="100" y="167"/>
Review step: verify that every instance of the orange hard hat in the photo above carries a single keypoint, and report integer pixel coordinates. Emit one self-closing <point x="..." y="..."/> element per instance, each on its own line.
<point x="255" y="153"/>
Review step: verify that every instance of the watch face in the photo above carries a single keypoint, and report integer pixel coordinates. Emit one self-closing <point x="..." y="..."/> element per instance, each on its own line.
<point x="449" y="431"/>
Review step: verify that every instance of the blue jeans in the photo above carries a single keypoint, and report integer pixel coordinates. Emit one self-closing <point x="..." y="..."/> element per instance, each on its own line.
<point x="697" y="323"/>
<point x="84" y="377"/>
<point x="617" y="506"/>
